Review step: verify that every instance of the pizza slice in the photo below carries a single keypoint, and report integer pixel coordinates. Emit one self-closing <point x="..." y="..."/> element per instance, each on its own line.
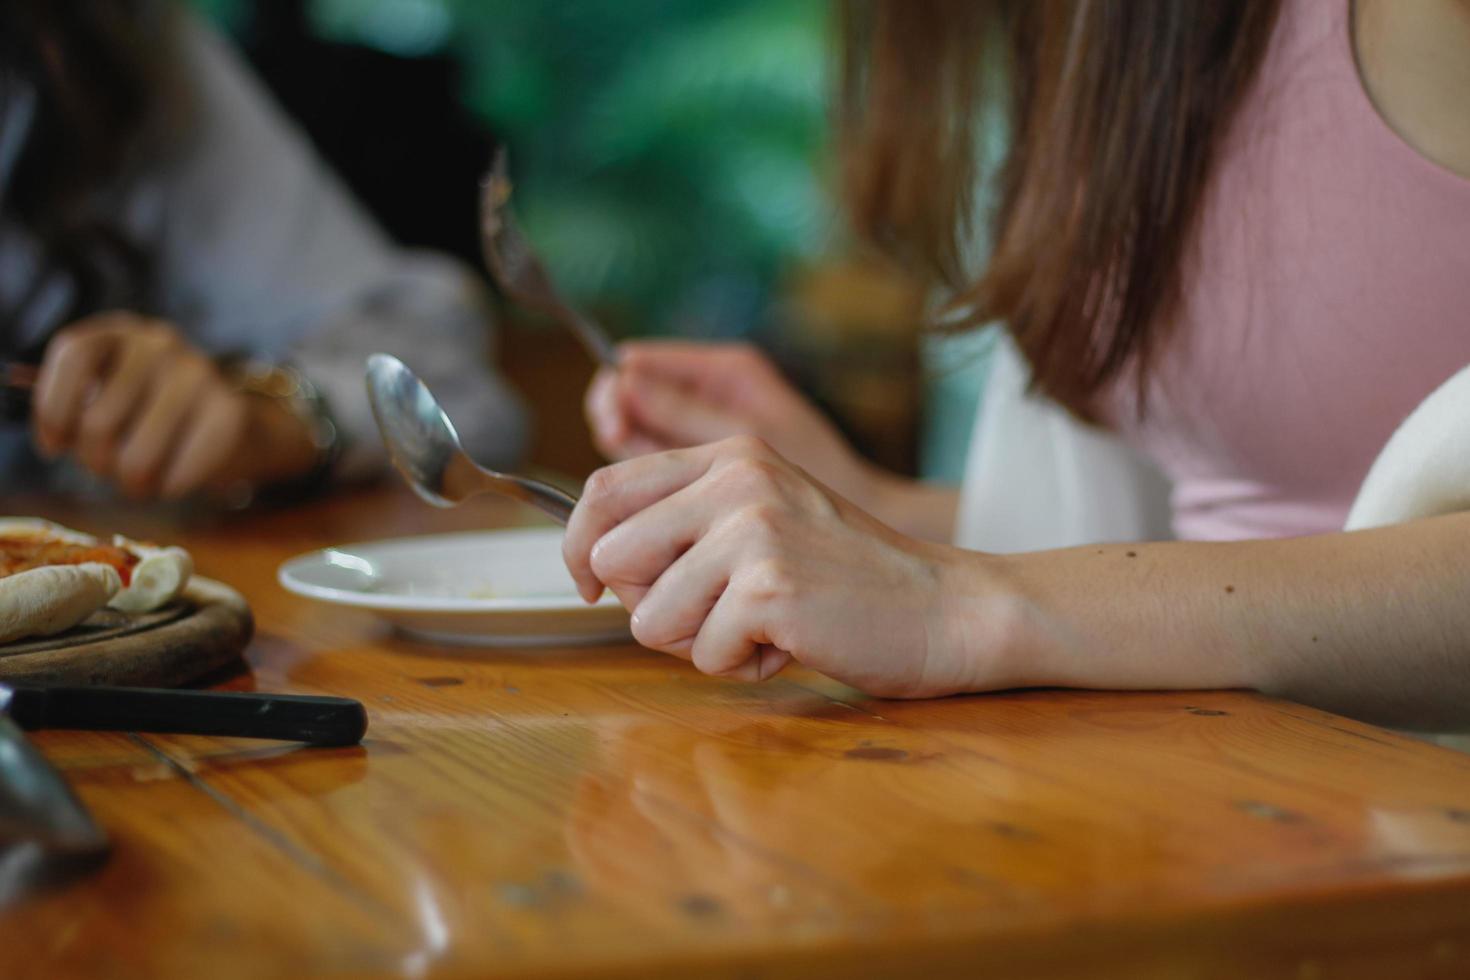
<point x="52" y="577"/>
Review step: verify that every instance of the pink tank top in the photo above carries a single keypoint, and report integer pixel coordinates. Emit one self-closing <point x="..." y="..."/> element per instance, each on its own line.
<point x="1327" y="295"/>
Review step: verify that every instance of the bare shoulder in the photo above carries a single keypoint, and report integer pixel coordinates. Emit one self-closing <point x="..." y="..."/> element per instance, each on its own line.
<point x="1414" y="60"/>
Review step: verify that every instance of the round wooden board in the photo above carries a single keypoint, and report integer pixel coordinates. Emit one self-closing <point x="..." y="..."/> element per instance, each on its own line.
<point x="206" y="628"/>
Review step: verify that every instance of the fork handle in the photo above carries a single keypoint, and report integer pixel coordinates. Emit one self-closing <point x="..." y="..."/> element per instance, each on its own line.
<point x="593" y="337"/>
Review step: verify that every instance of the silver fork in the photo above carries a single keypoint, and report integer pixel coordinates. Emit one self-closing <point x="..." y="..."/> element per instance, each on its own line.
<point x="519" y="272"/>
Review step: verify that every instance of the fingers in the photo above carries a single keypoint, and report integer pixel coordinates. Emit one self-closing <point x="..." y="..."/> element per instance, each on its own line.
<point x="732" y="642"/>
<point x="673" y="562"/>
<point x="701" y="366"/>
<point x="615" y="493"/>
<point x="140" y="405"/>
<point x="668" y="611"/>
<point x="210" y="440"/>
<point x="632" y="414"/>
<point x="605" y="417"/>
<point x="70" y="368"/>
<point x="147" y="448"/>
<point x="692" y="612"/>
<point x="94" y="378"/>
<point x="670" y="394"/>
<point x="640" y="444"/>
<point x="117" y="403"/>
<point x="679" y="416"/>
<point x="695" y="543"/>
<point x="631" y="556"/>
<point x="746" y="465"/>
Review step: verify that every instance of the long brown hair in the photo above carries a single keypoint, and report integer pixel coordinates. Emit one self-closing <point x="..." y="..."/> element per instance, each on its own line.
<point x="1112" y="110"/>
<point x="99" y="70"/>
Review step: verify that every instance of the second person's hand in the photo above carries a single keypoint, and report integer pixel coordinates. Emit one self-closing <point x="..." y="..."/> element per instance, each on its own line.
<point x="674" y="394"/>
<point x="138" y="405"/>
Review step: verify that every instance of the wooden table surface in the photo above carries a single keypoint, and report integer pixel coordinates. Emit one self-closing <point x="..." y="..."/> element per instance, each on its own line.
<point x="610" y="812"/>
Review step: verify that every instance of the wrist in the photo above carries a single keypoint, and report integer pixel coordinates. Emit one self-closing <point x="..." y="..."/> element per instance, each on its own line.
<point x="998" y="623"/>
<point x="280" y="445"/>
<point x="292" y="439"/>
<point x="924" y="511"/>
<point x="875" y="490"/>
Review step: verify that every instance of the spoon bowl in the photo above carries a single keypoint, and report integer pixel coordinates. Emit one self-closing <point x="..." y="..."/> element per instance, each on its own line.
<point x="425" y="448"/>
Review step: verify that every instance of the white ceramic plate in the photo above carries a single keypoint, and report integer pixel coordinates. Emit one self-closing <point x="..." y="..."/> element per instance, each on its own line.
<point x="492" y="588"/>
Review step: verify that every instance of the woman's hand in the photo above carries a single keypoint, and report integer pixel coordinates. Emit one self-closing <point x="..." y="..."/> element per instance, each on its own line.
<point x="139" y="405"/>
<point x="671" y="395"/>
<point x="733" y="558"/>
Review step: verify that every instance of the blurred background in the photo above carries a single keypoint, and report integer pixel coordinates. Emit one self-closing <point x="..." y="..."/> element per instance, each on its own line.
<point x="670" y="161"/>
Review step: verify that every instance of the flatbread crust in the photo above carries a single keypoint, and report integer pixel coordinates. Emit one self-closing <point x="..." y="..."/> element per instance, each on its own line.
<point x="161" y="574"/>
<point x="21" y="527"/>
<point x="47" y="600"/>
<point x="36" y="604"/>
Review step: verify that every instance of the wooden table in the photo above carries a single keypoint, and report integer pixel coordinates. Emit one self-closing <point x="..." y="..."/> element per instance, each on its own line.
<point x="610" y="812"/>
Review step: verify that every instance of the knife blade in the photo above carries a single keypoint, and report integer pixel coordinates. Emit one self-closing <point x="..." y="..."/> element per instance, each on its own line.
<point x="46" y="834"/>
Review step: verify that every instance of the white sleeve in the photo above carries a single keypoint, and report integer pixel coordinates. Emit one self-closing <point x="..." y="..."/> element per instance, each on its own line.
<point x="1424" y="468"/>
<point x="259" y="249"/>
<point x="1422" y="471"/>
<point x="1037" y="478"/>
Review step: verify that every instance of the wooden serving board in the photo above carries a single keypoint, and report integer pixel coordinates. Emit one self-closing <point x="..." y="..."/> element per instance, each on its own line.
<point x="204" y="629"/>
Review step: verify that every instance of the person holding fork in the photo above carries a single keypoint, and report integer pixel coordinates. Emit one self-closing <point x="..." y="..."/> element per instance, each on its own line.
<point x="1232" y="240"/>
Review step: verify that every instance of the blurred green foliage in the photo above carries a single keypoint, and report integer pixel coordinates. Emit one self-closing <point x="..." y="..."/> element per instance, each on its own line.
<point x="669" y="154"/>
<point x="669" y="150"/>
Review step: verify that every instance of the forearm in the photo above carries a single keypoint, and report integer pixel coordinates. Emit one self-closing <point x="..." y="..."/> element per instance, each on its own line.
<point x="1373" y="624"/>
<point x="919" y="510"/>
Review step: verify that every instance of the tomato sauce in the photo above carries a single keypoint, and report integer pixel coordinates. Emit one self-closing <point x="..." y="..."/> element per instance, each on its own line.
<point x="23" y="553"/>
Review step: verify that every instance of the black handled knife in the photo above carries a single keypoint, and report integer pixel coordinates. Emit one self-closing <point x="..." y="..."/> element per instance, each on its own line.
<point x="47" y="835"/>
<point x="290" y="717"/>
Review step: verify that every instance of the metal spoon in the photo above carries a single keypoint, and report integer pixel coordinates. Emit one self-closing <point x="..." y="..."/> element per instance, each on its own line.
<point x="425" y="448"/>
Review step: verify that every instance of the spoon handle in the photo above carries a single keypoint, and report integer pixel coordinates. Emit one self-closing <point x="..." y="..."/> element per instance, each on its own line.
<point x="462" y="478"/>
<point x="554" y="503"/>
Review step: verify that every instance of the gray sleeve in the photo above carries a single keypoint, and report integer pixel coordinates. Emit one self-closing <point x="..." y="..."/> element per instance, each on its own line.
<point x="260" y="249"/>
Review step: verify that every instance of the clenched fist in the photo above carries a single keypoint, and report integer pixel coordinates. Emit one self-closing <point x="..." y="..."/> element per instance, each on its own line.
<point x="732" y="557"/>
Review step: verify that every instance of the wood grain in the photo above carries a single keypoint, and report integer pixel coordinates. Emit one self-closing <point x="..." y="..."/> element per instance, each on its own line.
<point x="610" y="812"/>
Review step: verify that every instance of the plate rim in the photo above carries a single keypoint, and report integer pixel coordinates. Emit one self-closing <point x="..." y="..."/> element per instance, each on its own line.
<point x="286" y="577"/>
